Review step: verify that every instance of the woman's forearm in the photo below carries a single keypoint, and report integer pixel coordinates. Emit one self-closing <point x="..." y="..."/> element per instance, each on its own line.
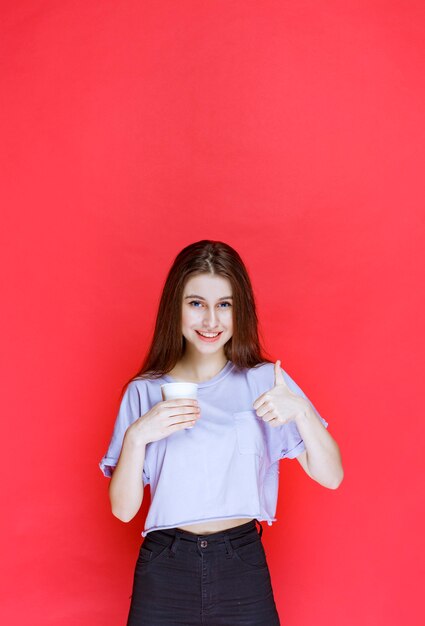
<point x="323" y="455"/>
<point x="126" y="486"/>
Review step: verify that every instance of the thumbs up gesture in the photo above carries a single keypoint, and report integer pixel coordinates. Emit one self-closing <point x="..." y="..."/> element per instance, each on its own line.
<point x="279" y="405"/>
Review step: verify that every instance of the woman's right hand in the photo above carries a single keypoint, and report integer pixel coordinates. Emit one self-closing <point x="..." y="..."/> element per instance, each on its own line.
<point x="163" y="419"/>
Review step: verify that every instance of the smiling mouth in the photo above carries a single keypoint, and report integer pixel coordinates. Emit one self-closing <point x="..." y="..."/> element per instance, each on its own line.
<point x="208" y="336"/>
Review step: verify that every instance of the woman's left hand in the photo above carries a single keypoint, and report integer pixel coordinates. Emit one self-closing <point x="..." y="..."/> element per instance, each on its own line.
<point x="279" y="405"/>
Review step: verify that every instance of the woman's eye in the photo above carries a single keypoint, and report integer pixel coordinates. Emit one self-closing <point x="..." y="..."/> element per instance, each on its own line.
<point x="223" y="305"/>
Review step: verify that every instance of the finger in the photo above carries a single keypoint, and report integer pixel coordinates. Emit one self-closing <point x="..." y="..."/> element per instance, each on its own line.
<point x="278" y="375"/>
<point x="268" y="417"/>
<point x="264" y="398"/>
<point x="181" y="402"/>
<point x="264" y="408"/>
<point x="185" y="423"/>
<point x="274" y="423"/>
<point x="278" y="380"/>
<point x="187" y="419"/>
<point x="182" y="411"/>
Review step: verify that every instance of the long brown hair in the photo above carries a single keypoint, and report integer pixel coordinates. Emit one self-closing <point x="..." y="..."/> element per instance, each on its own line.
<point x="168" y="344"/>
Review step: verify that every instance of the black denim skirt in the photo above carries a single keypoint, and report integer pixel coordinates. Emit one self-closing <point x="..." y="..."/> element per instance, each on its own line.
<point x="220" y="579"/>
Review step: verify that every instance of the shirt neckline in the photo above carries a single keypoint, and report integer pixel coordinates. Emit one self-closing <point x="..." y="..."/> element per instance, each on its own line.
<point x="212" y="381"/>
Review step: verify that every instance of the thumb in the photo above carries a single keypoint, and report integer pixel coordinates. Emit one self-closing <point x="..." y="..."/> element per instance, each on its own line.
<point x="278" y="374"/>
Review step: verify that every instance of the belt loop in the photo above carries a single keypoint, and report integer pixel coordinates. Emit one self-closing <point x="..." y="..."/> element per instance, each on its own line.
<point x="229" y="549"/>
<point x="261" y="527"/>
<point x="175" y="543"/>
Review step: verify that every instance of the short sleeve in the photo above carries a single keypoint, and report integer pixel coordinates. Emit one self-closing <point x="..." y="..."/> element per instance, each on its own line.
<point x="129" y="412"/>
<point x="290" y="441"/>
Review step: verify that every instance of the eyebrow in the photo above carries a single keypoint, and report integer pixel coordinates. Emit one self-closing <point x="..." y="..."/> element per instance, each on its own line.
<point x="193" y="295"/>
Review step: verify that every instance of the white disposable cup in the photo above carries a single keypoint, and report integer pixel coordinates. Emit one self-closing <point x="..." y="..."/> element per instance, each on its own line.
<point x="174" y="391"/>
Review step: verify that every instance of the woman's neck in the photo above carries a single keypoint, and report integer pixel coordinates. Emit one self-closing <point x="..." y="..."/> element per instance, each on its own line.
<point x="198" y="370"/>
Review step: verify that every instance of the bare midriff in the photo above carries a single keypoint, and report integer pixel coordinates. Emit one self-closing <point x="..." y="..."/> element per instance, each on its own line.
<point x="207" y="528"/>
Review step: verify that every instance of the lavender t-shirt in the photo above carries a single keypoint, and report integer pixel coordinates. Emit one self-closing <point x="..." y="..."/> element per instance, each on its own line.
<point x="226" y="466"/>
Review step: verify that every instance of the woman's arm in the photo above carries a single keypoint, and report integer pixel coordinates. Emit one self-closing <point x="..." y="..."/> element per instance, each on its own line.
<point x="162" y="420"/>
<point x="280" y="405"/>
<point x="321" y="459"/>
<point x="126" y="486"/>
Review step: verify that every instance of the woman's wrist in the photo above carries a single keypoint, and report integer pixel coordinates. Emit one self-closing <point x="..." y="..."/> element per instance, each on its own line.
<point x="135" y="437"/>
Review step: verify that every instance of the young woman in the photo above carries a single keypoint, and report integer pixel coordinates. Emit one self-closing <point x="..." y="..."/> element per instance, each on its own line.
<point x="212" y="463"/>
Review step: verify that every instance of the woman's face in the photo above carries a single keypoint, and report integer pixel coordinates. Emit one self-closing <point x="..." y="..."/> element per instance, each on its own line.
<point x="207" y="308"/>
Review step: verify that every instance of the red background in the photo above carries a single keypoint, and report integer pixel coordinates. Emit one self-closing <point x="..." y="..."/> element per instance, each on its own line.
<point x="294" y="131"/>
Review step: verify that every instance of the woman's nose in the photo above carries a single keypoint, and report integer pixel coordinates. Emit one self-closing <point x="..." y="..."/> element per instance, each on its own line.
<point x="210" y="319"/>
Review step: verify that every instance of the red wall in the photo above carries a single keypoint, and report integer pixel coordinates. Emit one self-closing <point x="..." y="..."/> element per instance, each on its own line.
<point x="293" y="131"/>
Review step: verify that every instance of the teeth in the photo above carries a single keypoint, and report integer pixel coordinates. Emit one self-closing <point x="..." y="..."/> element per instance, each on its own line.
<point x="208" y="334"/>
